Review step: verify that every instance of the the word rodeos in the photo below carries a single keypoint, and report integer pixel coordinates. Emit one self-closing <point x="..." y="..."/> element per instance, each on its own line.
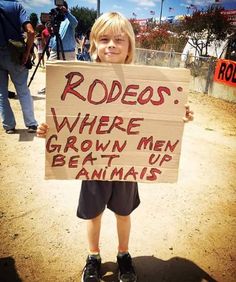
<point x="131" y="95"/>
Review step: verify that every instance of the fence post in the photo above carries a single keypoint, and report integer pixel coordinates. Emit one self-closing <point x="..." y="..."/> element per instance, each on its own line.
<point x="171" y="57"/>
<point x="209" y="74"/>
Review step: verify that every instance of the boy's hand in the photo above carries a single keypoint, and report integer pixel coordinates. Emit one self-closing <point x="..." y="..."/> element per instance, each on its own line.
<point x="189" y="115"/>
<point x="42" y="130"/>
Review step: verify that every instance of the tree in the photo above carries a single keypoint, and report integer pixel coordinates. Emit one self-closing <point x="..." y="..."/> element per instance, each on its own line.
<point x="204" y="27"/>
<point x="154" y="39"/>
<point x="156" y="36"/>
<point x="153" y="36"/>
<point x="136" y="26"/>
<point x="86" y="18"/>
<point x="34" y="20"/>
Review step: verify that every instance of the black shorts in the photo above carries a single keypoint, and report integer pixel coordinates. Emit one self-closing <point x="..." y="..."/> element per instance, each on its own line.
<point x="121" y="197"/>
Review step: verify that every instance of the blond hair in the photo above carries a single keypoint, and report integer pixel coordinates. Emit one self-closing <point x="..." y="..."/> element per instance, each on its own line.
<point x="117" y="23"/>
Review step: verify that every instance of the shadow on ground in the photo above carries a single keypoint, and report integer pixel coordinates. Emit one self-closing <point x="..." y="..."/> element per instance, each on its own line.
<point x="24" y="135"/>
<point x="8" y="271"/>
<point x="152" y="269"/>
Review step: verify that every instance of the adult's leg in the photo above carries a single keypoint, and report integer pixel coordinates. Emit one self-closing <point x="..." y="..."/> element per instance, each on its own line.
<point x="41" y="57"/>
<point x="7" y="115"/>
<point x="19" y="77"/>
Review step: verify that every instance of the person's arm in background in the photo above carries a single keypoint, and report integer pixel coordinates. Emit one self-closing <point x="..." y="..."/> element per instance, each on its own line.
<point x="73" y="21"/>
<point x="28" y="28"/>
<point x="82" y="43"/>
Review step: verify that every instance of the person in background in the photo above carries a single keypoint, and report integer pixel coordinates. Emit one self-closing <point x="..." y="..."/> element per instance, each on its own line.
<point x="46" y="34"/>
<point x="32" y="53"/>
<point x="13" y="22"/>
<point x="39" y="44"/>
<point x="67" y="34"/>
<point x="85" y="46"/>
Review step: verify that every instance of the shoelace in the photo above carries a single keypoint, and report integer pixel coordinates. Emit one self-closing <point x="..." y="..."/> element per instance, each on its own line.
<point x="92" y="266"/>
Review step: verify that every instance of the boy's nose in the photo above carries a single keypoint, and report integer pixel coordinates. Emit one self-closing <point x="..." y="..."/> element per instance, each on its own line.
<point x="111" y="44"/>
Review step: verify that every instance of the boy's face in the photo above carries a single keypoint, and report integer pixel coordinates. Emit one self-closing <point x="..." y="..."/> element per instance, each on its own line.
<point x="113" y="48"/>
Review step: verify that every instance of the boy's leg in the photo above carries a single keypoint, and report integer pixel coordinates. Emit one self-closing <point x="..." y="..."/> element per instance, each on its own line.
<point x="93" y="232"/>
<point x="124" y="260"/>
<point x="93" y="263"/>
<point x="123" y="231"/>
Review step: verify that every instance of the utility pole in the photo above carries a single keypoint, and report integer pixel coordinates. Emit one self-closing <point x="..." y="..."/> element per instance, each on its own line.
<point x="161" y="11"/>
<point x="98" y="8"/>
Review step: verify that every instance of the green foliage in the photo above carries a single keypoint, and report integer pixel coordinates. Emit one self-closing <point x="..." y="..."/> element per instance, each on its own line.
<point x="177" y="42"/>
<point x="86" y="18"/>
<point x="34" y="20"/>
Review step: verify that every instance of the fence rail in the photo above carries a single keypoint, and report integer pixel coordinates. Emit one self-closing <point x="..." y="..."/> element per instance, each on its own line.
<point x="170" y="59"/>
<point x="201" y="67"/>
<point x="158" y="58"/>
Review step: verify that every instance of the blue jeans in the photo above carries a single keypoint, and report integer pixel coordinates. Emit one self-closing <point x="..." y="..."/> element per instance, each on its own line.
<point x="19" y="76"/>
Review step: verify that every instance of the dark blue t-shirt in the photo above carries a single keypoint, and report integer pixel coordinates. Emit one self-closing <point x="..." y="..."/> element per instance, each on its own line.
<point x="17" y="16"/>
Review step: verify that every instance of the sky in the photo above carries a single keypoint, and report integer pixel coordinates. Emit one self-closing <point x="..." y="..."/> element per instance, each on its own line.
<point x="141" y="9"/>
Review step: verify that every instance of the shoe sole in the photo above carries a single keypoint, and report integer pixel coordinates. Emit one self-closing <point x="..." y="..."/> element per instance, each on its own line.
<point x="82" y="279"/>
<point x="122" y="281"/>
<point x="32" y="130"/>
<point x="10" y="131"/>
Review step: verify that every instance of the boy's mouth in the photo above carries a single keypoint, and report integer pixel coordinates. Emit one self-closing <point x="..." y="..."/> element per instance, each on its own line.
<point x="111" y="53"/>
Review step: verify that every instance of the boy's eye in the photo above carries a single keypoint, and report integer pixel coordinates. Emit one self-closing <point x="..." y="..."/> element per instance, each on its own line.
<point x="103" y="39"/>
<point x="120" y="39"/>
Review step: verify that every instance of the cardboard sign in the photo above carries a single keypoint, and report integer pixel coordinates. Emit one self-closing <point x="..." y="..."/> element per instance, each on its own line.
<point x="225" y="72"/>
<point x="114" y="122"/>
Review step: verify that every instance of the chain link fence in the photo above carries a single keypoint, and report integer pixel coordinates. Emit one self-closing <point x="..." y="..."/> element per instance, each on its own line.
<point x="200" y="67"/>
<point x="158" y="58"/>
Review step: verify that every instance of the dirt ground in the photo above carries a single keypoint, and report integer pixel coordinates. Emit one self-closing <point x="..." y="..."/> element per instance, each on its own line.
<point x="182" y="232"/>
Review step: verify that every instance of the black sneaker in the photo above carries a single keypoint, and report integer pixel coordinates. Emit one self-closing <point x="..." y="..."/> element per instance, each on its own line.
<point x="91" y="271"/>
<point x="32" y="128"/>
<point x="126" y="269"/>
<point x="10" y="131"/>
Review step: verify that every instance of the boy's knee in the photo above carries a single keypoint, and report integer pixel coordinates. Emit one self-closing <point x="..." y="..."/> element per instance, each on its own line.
<point x="122" y="217"/>
<point x="97" y="218"/>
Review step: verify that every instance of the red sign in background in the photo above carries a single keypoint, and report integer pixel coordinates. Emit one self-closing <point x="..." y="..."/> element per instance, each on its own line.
<point x="225" y="72"/>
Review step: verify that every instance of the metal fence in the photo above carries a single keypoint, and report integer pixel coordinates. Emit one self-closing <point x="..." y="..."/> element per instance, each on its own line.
<point x="201" y="67"/>
<point x="157" y="58"/>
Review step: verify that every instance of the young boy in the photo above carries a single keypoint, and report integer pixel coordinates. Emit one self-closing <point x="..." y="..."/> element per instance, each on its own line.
<point x="112" y="41"/>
